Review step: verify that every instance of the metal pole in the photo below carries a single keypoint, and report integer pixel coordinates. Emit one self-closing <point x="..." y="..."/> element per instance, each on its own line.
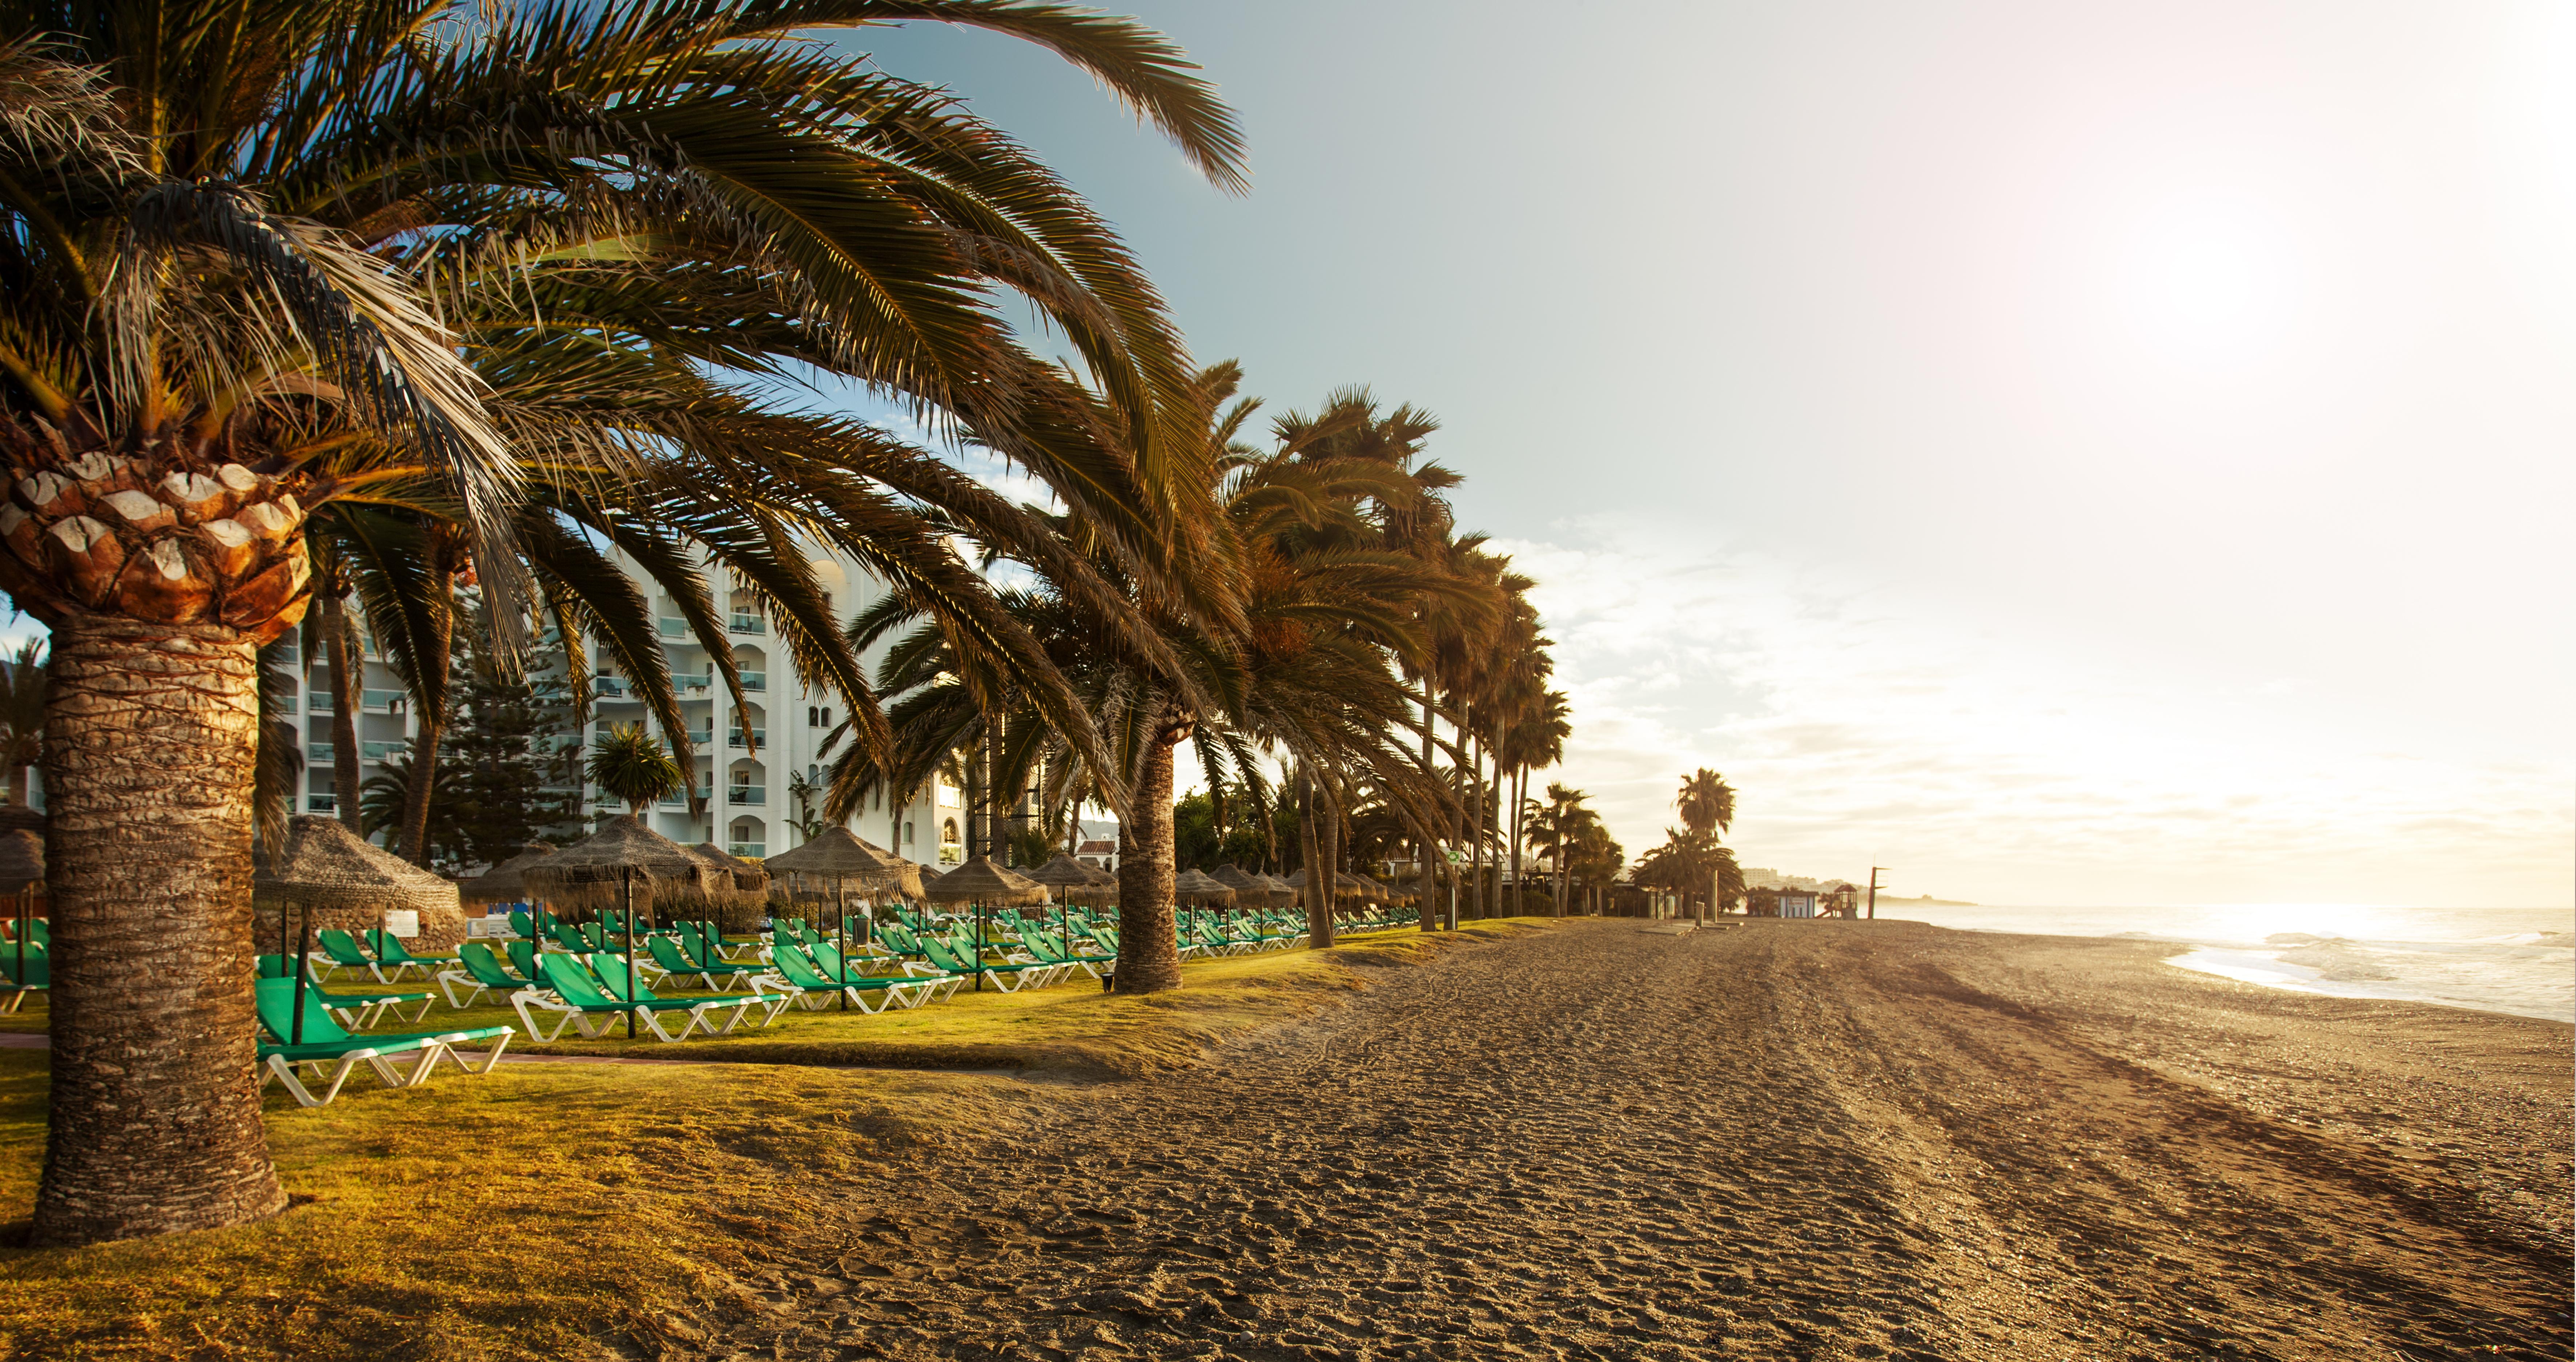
<point x="304" y="942"/>
<point x="626" y="910"/>
<point x="1873" y="892"/>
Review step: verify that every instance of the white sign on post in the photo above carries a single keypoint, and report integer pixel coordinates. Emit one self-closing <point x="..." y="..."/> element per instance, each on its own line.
<point x="403" y="922"/>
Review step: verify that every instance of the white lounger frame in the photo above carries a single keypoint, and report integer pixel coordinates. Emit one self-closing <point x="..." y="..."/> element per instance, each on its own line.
<point x="700" y="1016"/>
<point x="339" y="1067"/>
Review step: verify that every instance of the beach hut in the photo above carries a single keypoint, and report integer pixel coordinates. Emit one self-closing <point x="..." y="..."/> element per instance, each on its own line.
<point x="325" y="868"/>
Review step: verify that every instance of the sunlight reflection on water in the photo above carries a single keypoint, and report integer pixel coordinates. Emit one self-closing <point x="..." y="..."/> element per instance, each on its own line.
<point x="2513" y="960"/>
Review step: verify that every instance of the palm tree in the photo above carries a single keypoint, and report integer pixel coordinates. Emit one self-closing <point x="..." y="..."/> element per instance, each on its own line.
<point x="1707" y="802"/>
<point x="22" y="715"/>
<point x="1302" y="666"/>
<point x="1534" y="740"/>
<point x="630" y="764"/>
<point x="410" y="257"/>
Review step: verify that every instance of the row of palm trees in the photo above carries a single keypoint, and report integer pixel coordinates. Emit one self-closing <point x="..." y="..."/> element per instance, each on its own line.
<point x="429" y="316"/>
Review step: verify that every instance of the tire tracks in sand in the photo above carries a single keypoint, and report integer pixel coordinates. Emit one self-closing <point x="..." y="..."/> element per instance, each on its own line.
<point x="1780" y="1140"/>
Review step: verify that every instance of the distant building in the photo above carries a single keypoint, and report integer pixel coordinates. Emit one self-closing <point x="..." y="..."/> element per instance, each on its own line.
<point x="1099" y="852"/>
<point x="1797" y="903"/>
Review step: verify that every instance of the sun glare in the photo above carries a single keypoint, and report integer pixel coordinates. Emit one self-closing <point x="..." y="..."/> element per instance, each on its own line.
<point x="2206" y="282"/>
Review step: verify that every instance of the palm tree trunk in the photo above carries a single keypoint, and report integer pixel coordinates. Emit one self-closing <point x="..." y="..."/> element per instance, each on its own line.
<point x="1431" y="885"/>
<point x="1557" y="854"/>
<point x="1520" y="798"/>
<point x="1149" y="958"/>
<point x="17" y="787"/>
<point x="345" y="696"/>
<point x="154" y="1121"/>
<point x="1476" y="826"/>
<point x="1319" y="893"/>
<point x="424" y="749"/>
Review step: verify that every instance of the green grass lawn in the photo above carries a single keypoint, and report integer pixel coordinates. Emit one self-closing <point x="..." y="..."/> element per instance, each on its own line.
<point x="513" y="1215"/>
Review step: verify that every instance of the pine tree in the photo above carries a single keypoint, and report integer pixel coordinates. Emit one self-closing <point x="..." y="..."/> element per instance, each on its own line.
<point x="510" y="764"/>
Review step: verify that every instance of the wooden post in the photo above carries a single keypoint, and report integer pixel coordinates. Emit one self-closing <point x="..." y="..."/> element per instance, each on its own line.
<point x="626" y="913"/>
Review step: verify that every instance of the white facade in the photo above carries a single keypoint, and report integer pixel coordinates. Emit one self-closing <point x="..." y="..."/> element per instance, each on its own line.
<point x="747" y="805"/>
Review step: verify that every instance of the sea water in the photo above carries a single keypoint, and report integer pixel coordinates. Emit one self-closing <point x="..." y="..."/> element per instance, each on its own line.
<point x="2516" y="960"/>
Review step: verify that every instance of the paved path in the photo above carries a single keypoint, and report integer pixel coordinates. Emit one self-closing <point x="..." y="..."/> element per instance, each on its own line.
<point x="1777" y="1140"/>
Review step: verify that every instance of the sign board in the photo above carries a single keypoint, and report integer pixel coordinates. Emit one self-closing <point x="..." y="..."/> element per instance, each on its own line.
<point x="403" y="922"/>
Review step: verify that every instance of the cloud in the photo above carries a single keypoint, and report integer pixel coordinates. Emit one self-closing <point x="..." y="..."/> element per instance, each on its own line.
<point x="1862" y="728"/>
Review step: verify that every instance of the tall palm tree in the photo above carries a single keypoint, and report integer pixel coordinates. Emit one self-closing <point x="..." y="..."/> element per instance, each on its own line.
<point x="1535" y="740"/>
<point x="1706" y="802"/>
<point x="260" y="260"/>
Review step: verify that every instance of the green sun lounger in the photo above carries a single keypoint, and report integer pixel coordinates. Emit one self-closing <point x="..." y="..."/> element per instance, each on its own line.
<point x="1051" y="949"/>
<point x="1010" y="976"/>
<point x="391" y="952"/>
<point x="827" y="962"/>
<point x="480" y="972"/>
<point x="38" y="978"/>
<point x="327" y="1049"/>
<point x="718" y="977"/>
<point x="797" y="977"/>
<point x="339" y="950"/>
<point x="580" y="996"/>
<point x="357" y="1011"/>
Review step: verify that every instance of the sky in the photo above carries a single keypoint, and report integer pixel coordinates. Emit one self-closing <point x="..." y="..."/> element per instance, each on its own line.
<point x="2062" y="454"/>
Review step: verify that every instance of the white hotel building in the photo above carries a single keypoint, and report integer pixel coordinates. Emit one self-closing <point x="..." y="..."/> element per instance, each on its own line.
<point x="743" y="800"/>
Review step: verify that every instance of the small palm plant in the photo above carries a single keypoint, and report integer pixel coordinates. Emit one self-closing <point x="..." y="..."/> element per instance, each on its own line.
<point x="632" y="765"/>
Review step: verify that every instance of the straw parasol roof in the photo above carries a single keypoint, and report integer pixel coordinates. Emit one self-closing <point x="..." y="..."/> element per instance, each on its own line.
<point x="22" y="861"/>
<point x="747" y="878"/>
<point x="981" y="880"/>
<point x="324" y="865"/>
<point x="1197" y="886"/>
<point x="840" y="854"/>
<point x="1070" y="880"/>
<point x="1249" y="890"/>
<point x="502" y="883"/>
<point x="1343" y="885"/>
<point x="13" y="817"/>
<point x="592" y="871"/>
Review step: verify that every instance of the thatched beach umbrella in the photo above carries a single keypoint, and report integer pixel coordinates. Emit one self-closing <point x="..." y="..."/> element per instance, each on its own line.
<point x="1249" y="890"/>
<point x="503" y="883"/>
<point x="612" y="864"/>
<point x="1065" y="878"/>
<point x="741" y="889"/>
<point x="22" y="861"/>
<point x="984" y="883"/>
<point x="324" y="865"/>
<point x="839" y="853"/>
<point x="1198" y="887"/>
<point x="1070" y="881"/>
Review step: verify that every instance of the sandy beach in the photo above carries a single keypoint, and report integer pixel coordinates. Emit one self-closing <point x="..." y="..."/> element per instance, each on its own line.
<point x="1776" y="1139"/>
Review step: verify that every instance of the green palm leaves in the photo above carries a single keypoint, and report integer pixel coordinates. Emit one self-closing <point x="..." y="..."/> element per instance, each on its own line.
<point x="630" y="764"/>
